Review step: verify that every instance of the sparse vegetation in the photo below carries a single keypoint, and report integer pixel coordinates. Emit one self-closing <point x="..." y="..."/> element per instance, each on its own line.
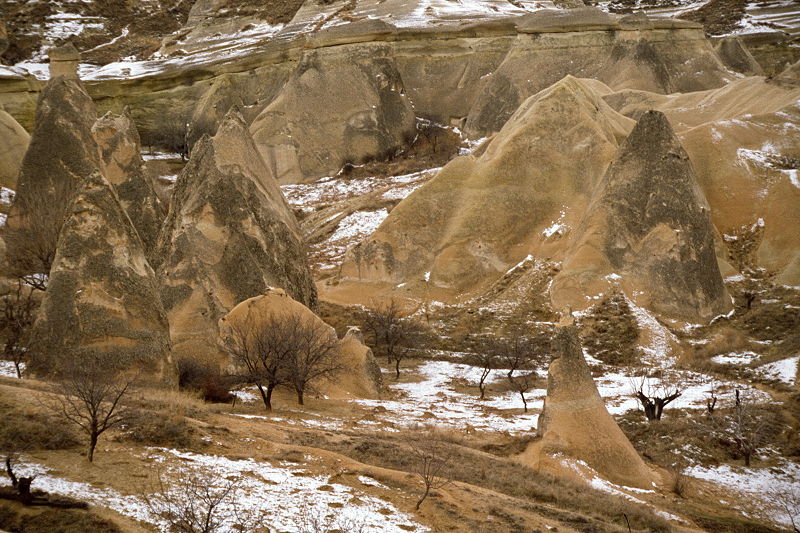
<point x="391" y="334"/>
<point x="432" y="462"/>
<point x="17" y="309"/>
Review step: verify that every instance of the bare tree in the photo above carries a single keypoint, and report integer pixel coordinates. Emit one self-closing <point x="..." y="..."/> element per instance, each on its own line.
<point x="390" y="333"/>
<point x="746" y="427"/>
<point x="487" y="362"/>
<point x="432" y="462"/>
<point x="522" y="383"/>
<point x="313" y="355"/>
<point x="519" y="354"/>
<point x="711" y="399"/>
<point x="16" y="318"/>
<point x="655" y="395"/>
<point x="32" y="230"/>
<point x="200" y="503"/>
<point x="89" y="394"/>
<point x="22" y="484"/>
<point x="788" y="501"/>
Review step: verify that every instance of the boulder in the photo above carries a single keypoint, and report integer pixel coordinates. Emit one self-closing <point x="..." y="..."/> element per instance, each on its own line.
<point x="14" y="142"/>
<point x="102" y="296"/>
<point x="64" y="61"/>
<point x="576" y="429"/>
<point x="229" y="235"/>
<point x="341" y="105"/>
<point x="360" y="374"/>
<point x="123" y="166"/>
<point x="516" y="196"/>
<point x="650" y="224"/>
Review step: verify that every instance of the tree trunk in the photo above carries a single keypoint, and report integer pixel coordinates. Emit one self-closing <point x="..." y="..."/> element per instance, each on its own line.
<point x="482" y="387"/>
<point x="265" y="397"/>
<point x="92" y="445"/>
<point x="24" y="489"/>
<point x="299" y="392"/>
<point x="270" y="388"/>
<point x="424" y="495"/>
<point x="397" y="369"/>
<point x="747" y="458"/>
<point x="16" y="367"/>
<point x="524" y="401"/>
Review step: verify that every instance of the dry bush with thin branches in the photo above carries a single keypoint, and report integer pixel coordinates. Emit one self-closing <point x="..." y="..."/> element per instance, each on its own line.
<point x="283" y="349"/>
<point x="745" y="427"/>
<point x="17" y="313"/>
<point x="312" y="519"/>
<point x="200" y="503"/>
<point x="89" y="394"/>
<point x="519" y="354"/>
<point x="433" y="462"/>
<point x="390" y="333"/>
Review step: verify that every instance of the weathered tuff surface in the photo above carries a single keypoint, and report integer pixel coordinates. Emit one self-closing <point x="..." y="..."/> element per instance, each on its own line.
<point x="123" y="166"/>
<point x="483" y="213"/>
<point x="575" y="425"/>
<point x="229" y="236"/>
<point x="649" y="223"/>
<point x="14" y="142"/>
<point x="102" y="295"/>
<point x="335" y="109"/>
<point x="745" y="152"/>
<point x="360" y="374"/>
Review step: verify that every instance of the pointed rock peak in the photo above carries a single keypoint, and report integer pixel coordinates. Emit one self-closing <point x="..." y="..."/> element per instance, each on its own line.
<point x="654" y="133"/>
<point x="102" y="295"/>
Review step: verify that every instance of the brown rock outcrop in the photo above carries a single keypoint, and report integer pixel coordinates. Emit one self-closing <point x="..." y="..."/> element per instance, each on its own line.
<point x="229" y="235"/>
<point x="484" y="213"/>
<point x="339" y="106"/>
<point x="102" y="295"/>
<point x="575" y="425"/>
<point x="120" y="149"/>
<point x="649" y="223"/>
<point x="14" y="142"/>
<point x="64" y="61"/>
<point x="360" y="374"/>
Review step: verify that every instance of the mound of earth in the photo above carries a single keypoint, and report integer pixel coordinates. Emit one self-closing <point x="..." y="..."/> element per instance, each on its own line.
<point x="359" y="374"/>
<point x="484" y="213"/>
<point x="102" y="296"/>
<point x="229" y="236"/>
<point x="576" y="429"/>
<point x="339" y="106"/>
<point x="648" y="223"/>
<point x="121" y="152"/>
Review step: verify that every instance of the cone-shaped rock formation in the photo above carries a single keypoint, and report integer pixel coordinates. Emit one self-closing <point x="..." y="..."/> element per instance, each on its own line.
<point x="483" y="214"/>
<point x="102" y="295"/>
<point x="650" y="224"/>
<point x="229" y="236"/>
<point x="124" y="167"/>
<point x="575" y="423"/>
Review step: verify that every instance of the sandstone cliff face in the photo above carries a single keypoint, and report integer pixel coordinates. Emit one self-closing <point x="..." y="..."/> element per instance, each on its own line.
<point x="123" y="166"/>
<point x="649" y="223"/>
<point x="102" y="294"/>
<point x="629" y="52"/>
<point x="360" y="374"/>
<point x="341" y="106"/>
<point x="14" y="142"/>
<point x="483" y="214"/>
<point x="229" y="236"/>
<point x="575" y="425"/>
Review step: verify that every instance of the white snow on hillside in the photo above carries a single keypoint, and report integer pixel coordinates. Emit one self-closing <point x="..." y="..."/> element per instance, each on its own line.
<point x="784" y="370"/>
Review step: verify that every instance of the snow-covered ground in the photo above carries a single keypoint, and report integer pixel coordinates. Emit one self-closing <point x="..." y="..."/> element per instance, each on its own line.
<point x="9" y="370"/>
<point x="285" y="493"/>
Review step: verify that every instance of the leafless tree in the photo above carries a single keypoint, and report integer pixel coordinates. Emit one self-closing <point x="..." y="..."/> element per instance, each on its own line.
<point x="788" y="501"/>
<point x="22" y="484"/>
<point x="519" y="354"/>
<point x="522" y="383"/>
<point x="313" y="355"/>
<point x="89" y="394"/>
<point x="655" y="395"/>
<point x="200" y="503"/>
<point x="433" y="459"/>
<point x="32" y="230"/>
<point x="390" y="333"/>
<point x="711" y="399"/>
<point x="16" y="319"/>
<point x="746" y="427"/>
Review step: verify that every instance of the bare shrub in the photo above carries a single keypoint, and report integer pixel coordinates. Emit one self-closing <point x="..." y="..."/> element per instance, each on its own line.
<point x="32" y="230"/>
<point x="655" y="395"/>
<point x="746" y="427"/>
<point x="789" y="504"/>
<point x="312" y="519"/>
<point x="390" y="333"/>
<point x="681" y="480"/>
<point x="432" y="464"/>
<point x="17" y="309"/>
<point x="206" y="379"/>
<point x="200" y="503"/>
<point x="519" y="354"/>
<point x="89" y="394"/>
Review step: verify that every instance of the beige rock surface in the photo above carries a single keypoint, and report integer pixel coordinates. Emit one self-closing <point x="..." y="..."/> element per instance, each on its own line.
<point x="228" y="236"/>
<point x="648" y="223"/>
<point x="120" y="150"/>
<point x="483" y="214"/>
<point x="14" y="142"/>
<point x="102" y="295"/>
<point x="576" y="427"/>
<point x="360" y="375"/>
<point x="345" y="105"/>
